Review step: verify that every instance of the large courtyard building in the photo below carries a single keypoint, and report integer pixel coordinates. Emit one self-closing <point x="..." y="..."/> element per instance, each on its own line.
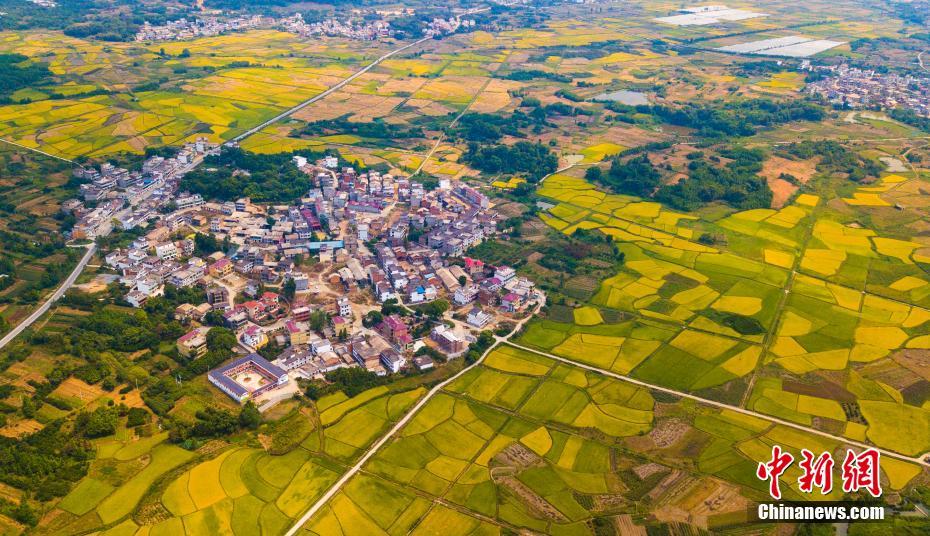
<point x="248" y="377"/>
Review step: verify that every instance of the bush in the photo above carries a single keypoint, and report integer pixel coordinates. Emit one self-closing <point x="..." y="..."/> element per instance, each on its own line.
<point x="137" y="417"/>
<point x="98" y="423"/>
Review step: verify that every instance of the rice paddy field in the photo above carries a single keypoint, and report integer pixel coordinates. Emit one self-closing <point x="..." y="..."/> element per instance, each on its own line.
<point x="140" y="485"/>
<point x="221" y="87"/>
<point x="523" y="442"/>
<point x="808" y="295"/>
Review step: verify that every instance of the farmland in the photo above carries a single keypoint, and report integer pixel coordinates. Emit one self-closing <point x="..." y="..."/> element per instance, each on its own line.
<point x="525" y="442"/>
<point x="144" y="483"/>
<point x="791" y="287"/>
<point x="109" y="103"/>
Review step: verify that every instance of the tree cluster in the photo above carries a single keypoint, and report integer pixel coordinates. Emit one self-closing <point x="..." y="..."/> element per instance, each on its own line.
<point x="835" y="158"/>
<point x="236" y="173"/>
<point x="376" y="128"/>
<point x="735" y="118"/>
<point x="350" y="381"/>
<point x="16" y="72"/>
<point x="523" y="157"/>
<point x="737" y="183"/>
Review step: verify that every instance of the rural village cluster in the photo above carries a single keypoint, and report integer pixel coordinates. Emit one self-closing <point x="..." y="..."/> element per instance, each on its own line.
<point x="377" y="239"/>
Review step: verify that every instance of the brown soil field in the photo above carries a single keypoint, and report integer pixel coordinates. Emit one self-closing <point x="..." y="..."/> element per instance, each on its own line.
<point x="627" y="527"/>
<point x="21" y="428"/>
<point x="825" y="389"/>
<point x="75" y="388"/>
<point x="774" y="166"/>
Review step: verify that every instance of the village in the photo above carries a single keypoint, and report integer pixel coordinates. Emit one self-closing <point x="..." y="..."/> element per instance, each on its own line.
<point x="183" y="28"/>
<point x="116" y="197"/>
<point x="366" y="270"/>
<point x="858" y="88"/>
<point x="360" y="29"/>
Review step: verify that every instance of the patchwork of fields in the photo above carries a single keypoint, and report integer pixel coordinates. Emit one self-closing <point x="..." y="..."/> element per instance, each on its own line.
<point x="522" y="441"/>
<point x="815" y="312"/>
<point x="147" y="485"/>
<point x="218" y="88"/>
<point x="802" y="313"/>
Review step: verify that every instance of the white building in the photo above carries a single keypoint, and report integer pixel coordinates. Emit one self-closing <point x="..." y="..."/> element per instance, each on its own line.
<point x="167" y="251"/>
<point x="345" y="307"/>
<point x="478" y="318"/>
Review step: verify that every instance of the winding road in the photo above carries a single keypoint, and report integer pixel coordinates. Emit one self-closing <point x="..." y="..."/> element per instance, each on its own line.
<point x="59" y="292"/>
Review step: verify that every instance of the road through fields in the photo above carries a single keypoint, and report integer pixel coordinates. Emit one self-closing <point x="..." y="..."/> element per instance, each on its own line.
<point x="400" y="424"/>
<point x="59" y="292"/>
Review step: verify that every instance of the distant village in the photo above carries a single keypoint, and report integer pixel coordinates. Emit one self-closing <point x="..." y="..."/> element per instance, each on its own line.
<point x="857" y="88"/>
<point x="362" y="30"/>
<point x="182" y="29"/>
<point x="310" y="279"/>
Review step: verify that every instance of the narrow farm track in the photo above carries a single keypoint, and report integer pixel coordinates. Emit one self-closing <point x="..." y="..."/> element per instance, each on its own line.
<point x="843" y="440"/>
<point x="41" y="152"/>
<point x="331" y="492"/>
<point x="442" y="135"/>
<point x="323" y="95"/>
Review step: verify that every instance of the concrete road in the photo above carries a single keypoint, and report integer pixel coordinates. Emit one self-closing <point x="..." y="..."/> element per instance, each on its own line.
<point x="59" y="292"/>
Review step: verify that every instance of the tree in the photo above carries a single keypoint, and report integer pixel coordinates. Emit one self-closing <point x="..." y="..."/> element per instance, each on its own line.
<point x="635" y="177"/>
<point x="593" y="174"/>
<point x="213" y="422"/>
<point x="98" y="423"/>
<point x="434" y="309"/>
<point x="462" y="280"/>
<point x="289" y="288"/>
<point x="318" y="320"/>
<point x="28" y="407"/>
<point x="205" y="244"/>
<point x="392" y="307"/>
<point x="220" y="339"/>
<point x="249" y="416"/>
<point x="137" y="417"/>
<point x="372" y="318"/>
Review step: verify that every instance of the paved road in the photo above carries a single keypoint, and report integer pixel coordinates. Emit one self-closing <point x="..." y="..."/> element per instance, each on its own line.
<point x="59" y="292"/>
<point x="331" y="492"/>
<point x="329" y="91"/>
<point x="721" y="405"/>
